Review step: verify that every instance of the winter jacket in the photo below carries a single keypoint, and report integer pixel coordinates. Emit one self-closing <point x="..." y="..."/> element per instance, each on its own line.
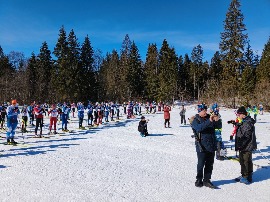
<point x="167" y="112"/>
<point x="142" y="126"/>
<point x="182" y="112"/>
<point x="245" y="139"/>
<point x="205" y="130"/>
<point x="12" y="114"/>
<point x="39" y="112"/>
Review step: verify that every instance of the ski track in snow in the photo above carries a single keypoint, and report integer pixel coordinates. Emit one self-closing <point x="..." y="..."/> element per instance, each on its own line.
<point x="114" y="163"/>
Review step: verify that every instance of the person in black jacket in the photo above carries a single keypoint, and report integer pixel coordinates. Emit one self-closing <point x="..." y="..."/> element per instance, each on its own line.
<point x="142" y="127"/>
<point x="245" y="143"/>
<point x="203" y="126"/>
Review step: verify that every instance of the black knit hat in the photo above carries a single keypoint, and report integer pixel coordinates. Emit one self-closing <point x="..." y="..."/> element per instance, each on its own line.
<point x="242" y="110"/>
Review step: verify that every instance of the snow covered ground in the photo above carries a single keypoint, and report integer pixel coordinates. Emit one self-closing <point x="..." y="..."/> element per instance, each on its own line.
<point x="114" y="163"/>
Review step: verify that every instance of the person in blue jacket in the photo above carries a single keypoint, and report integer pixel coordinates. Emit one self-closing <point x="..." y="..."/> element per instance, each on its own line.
<point x="12" y="121"/>
<point x="203" y="126"/>
<point x="64" y="117"/>
<point x="80" y="109"/>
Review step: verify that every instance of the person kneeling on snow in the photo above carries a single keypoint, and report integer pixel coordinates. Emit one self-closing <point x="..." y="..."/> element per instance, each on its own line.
<point x="142" y="128"/>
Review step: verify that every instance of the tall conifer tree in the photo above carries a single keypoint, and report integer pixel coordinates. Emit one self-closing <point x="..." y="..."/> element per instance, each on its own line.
<point x="151" y="71"/>
<point x="233" y="41"/>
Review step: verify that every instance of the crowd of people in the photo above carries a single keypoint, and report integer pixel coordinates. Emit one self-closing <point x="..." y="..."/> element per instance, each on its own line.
<point x="207" y="127"/>
<point x="97" y="113"/>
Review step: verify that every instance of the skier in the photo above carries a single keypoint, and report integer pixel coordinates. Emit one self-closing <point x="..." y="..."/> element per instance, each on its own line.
<point x="53" y="113"/>
<point x="80" y="109"/>
<point x="3" y="114"/>
<point x="64" y="117"/>
<point x="112" y="111"/>
<point x="182" y="115"/>
<point x="30" y="110"/>
<point x="117" y="107"/>
<point x="38" y="110"/>
<point x="142" y="127"/>
<point x="12" y="121"/>
<point x="24" y="118"/>
<point x="167" y="110"/>
<point x="73" y="106"/>
<point x="90" y="113"/>
<point x="125" y="108"/>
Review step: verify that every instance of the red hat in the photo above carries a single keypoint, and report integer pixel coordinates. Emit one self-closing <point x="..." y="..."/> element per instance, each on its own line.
<point x="14" y="102"/>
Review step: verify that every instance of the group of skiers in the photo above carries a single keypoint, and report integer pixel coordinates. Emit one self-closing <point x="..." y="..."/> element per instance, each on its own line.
<point x="97" y="113"/>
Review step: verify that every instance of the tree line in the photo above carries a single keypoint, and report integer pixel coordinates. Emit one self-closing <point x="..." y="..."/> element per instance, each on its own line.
<point x="76" y="72"/>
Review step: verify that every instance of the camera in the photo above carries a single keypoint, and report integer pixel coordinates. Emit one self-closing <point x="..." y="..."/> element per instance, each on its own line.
<point x="231" y="122"/>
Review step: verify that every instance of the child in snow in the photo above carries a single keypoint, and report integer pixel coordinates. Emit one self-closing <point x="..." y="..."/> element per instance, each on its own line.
<point x="221" y="151"/>
<point x="142" y="127"/>
<point x="234" y="122"/>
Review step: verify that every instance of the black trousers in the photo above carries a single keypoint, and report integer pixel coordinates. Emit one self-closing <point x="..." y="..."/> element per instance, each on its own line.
<point x="183" y="119"/>
<point x="245" y="158"/>
<point x="205" y="165"/>
<point x="39" y="124"/>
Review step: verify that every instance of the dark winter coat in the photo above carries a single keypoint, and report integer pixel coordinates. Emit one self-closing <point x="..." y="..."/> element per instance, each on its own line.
<point x="205" y="130"/>
<point x="245" y="139"/>
<point x="142" y="127"/>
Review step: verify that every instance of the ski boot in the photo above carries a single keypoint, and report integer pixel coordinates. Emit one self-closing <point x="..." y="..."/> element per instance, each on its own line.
<point x="12" y="142"/>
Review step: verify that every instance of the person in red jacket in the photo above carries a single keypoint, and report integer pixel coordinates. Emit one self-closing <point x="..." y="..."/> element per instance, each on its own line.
<point x="53" y="113"/>
<point x="167" y="110"/>
<point x="38" y="110"/>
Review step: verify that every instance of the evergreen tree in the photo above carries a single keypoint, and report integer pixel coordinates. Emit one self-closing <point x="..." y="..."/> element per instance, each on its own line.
<point x="196" y="70"/>
<point x="151" y="71"/>
<point x="135" y="75"/>
<point x="7" y="71"/>
<point x="215" y="77"/>
<point x="32" y="78"/>
<point x="86" y="76"/>
<point x="44" y="71"/>
<point x="168" y="73"/>
<point x="61" y="73"/>
<point x="263" y="76"/>
<point x="188" y="80"/>
<point x="248" y="77"/>
<point x="124" y="67"/>
<point x="98" y="58"/>
<point x="233" y="41"/>
<point x="73" y="70"/>
<point x="263" y="70"/>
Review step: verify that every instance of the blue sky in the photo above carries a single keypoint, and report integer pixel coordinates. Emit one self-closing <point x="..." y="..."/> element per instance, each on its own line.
<point x="26" y="24"/>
